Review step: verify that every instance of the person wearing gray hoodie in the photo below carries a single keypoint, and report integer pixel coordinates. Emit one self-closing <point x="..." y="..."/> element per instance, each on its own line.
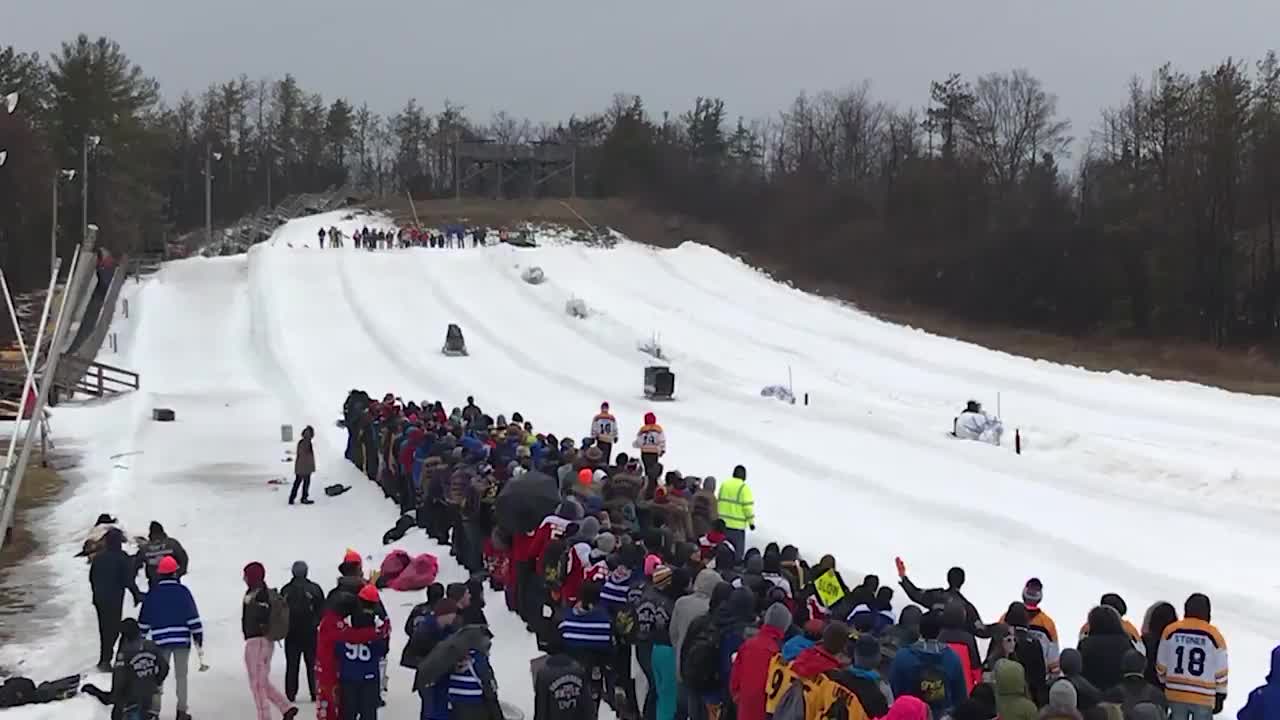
<point x="690" y="608"/>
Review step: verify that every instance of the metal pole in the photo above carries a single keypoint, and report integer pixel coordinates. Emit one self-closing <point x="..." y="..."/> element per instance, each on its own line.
<point x="13" y="317"/>
<point x="271" y="165"/>
<point x="14" y="472"/>
<point x="84" y="193"/>
<point x="53" y="231"/>
<point x="62" y="308"/>
<point x="31" y="367"/>
<point x="208" y="195"/>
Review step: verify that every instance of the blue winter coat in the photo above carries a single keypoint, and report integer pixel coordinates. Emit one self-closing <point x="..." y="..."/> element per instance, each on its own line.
<point x="1264" y="701"/>
<point x="792" y="648"/>
<point x="909" y="664"/>
<point x="169" y="615"/>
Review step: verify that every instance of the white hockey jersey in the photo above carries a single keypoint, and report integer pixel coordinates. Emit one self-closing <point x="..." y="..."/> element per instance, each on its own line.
<point x="1192" y="662"/>
<point x="604" y="428"/>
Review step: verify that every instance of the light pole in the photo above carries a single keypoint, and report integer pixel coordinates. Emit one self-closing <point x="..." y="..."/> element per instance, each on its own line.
<point x="58" y="178"/>
<point x="209" y="157"/>
<point x="90" y="142"/>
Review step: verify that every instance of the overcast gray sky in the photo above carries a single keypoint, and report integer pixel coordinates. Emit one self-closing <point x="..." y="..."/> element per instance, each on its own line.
<point x="544" y="59"/>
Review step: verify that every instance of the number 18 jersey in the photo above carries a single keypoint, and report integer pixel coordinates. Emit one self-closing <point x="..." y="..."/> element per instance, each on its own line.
<point x="1192" y="662"/>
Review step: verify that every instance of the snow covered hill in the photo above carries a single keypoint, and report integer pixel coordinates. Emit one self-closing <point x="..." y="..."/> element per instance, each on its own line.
<point x="1150" y="489"/>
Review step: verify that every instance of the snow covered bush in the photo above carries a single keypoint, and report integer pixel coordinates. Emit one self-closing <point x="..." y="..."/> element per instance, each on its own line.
<point x="533" y="275"/>
<point x="577" y="307"/>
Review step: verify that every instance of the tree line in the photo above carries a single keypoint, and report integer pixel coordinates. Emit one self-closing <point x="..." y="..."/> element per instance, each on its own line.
<point x="1162" y="225"/>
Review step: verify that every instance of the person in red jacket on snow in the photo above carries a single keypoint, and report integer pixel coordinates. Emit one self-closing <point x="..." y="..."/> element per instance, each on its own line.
<point x="334" y="629"/>
<point x="750" y="672"/>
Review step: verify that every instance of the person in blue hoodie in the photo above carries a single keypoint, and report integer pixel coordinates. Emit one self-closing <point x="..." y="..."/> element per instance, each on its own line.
<point x="1264" y="701"/>
<point x="170" y="620"/>
<point x="358" y="663"/>
<point x="929" y="670"/>
<point x="862" y="678"/>
<point x="807" y="638"/>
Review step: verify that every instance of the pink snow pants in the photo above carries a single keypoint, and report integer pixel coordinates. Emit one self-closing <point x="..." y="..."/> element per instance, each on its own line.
<point x="257" y="660"/>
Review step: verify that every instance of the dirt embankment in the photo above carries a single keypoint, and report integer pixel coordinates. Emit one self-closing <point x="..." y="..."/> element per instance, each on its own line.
<point x="1242" y="370"/>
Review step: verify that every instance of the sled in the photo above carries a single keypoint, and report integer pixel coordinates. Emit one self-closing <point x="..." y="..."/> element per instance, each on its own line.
<point x="454" y="344"/>
<point x="659" y="383"/>
<point x="162" y="415"/>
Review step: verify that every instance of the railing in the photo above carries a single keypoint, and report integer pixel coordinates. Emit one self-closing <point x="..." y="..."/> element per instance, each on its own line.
<point x="99" y="379"/>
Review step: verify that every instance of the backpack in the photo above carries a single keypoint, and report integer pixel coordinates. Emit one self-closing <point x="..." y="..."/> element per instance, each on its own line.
<point x="278" y="619"/>
<point x="700" y="656"/>
<point x="791" y="706"/>
<point x="931" y="686"/>
<point x="554" y="559"/>
<point x="17" y="691"/>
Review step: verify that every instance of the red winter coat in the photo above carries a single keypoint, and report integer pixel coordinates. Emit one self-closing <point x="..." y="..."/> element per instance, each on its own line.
<point x="814" y="661"/>
<point x="747" y="679"/>
<point x="552" y="527"/>
<point x="333" y="630"/>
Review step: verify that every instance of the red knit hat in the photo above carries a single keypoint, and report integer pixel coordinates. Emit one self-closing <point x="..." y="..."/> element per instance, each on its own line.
<point x="584" y="476"/>
<point x="255" y="575"/>
<point x="650" y="419"/>
<point x="352" y="557"/>
<point x="368" y="593"/>
<point x="167" y="565"/>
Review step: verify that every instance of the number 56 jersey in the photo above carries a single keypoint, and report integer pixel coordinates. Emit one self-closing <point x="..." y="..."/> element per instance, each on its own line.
<point x="1192" y="662"/>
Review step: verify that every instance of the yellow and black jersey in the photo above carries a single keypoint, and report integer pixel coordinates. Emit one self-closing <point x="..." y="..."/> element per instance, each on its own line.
<point x="1192" y="662"/>
<point x="824" y="698"/>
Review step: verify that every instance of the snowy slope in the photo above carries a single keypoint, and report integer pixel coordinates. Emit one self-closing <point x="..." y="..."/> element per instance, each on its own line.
<point x="1150" y="489"/>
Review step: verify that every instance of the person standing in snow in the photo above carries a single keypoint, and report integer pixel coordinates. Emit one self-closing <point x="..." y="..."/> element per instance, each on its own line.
<point x="304" y="465"/>
<point x="749" y="674"/>
<point x="604" y="430"/>
<point x="320" y="235"/>
<point x="255" y="620"/>
<point x="940" y="598"/>
<point x="171" y="621"/>
<point x="737" y="508"/>
<point x="1191" y="663"/>
<point x="137" y="678"/>
<point x="306" y="601"/>
<point x="359" y="663"/>
<point x="652" y="443"/>
<point x="561" y="687"/>
<point x="929" y="670"/>
<point x="111" y="573"/>
<point x="158" y="546"/>
<point x="1040" y="626"/>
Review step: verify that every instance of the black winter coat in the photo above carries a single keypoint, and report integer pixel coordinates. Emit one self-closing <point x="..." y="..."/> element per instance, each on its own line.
<point x="561" y="691"/>
<point x="1102" y="655"/>
<point x="306" y="602"/>
<point x="1133" y="691"/>
<point x="868" y="691"/>
<point x="110" y="574"/>
<point x="141" y="670"/>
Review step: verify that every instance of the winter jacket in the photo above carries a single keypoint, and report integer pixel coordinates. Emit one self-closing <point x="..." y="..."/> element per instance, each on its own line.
<point x="138" y="674"/>
<point x="736" y="505"/>
<point x="1012" y="702"/>
<point x="913" y="666"/>
<point x="733" y="619"/>
<point x="169" y="615"/>
<point x="1264" y="701"/>
<point x="939" y="598"/>
<point x="306" y="602"/>
<point x="750" y="671"/>
<point x="873" y="693"/>
<point x="689" y="608"/>
<point x="561" y="691"/>
<point x="255" y="613"/>
<point x="650" y="439"/>
<point x="965" y="647"/>
<point x="1102" y="655"/>
<point x="1134" y="690"/>
<point x="358" y="660"/>
<point x="110" y="574"/>
<point x="814" y="662"/>
<point x="588" y="631"/>
<point x="425" y="635"/>
<point x="471" y="680"/>
<point x="150" y="554"/>
<point x="653" y="616"/>
<point x="304" y="462"/>
<point x="616" y="593"/>
<point x="332" y="631"/>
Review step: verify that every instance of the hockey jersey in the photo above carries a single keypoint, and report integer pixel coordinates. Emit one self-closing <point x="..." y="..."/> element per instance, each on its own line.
<point x="822" y="697"/>
<point x="1191" y="662"/>
<point x="651" y="439"/>
<point x="1042" y="627"/>
<point x="604" y="427"/>
<point x="360" y="660"/>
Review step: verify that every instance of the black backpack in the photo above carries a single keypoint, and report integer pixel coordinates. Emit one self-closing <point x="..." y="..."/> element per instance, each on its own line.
<point x="304" y="608"/>
<point x="17" y="691"/>
<point x="700" y="656"/>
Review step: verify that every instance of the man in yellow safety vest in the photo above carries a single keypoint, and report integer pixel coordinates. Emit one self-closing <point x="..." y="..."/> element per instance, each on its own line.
<point x="737" y="508"/>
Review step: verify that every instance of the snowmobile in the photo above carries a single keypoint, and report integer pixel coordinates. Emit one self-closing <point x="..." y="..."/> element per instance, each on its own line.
<point x="659" y="382"/>
<point x="454" y="344"/>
